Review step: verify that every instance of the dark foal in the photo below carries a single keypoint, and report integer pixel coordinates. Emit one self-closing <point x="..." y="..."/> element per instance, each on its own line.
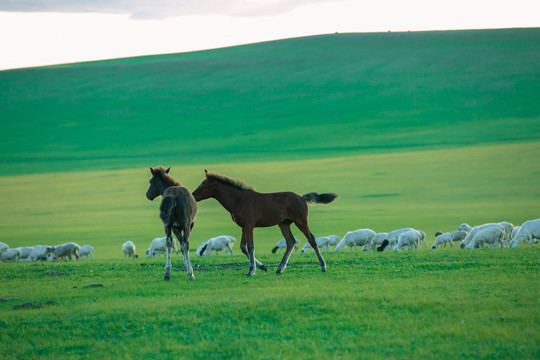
<point x="177" y="211"/>
<point x="250" y="209"/>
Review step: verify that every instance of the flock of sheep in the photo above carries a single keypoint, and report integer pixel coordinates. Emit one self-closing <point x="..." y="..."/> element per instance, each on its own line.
<point x="503" y="234"/>
<point x="45" y="252"/>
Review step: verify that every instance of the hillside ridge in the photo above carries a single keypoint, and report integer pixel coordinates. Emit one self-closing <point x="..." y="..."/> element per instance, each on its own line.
<point x="310" y="96"/>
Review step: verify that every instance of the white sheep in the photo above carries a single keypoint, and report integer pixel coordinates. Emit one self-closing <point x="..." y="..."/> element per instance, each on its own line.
<point x="65" y="251"/>
<point x="360" y="237"/>
<point x="11" y="255"/>
<point x="411" y="239"/>
<point x="40" y="252"/>
<point x="514" y="232"/>
<point x="158" y="246"/>
<point x="491" y="235"/>
<point x="323" y="242"/>
<point x="448" y="238"/>
<point x="529" y="231"/>
<point x="201" y="248"/>
<point x="442" y="239"/>
<point x="392" y="239"/>
<point x="88" y="251"/>
<point x="129" y="249"/>
<point x="471" y="233"/>
<point x="3" y="248"/>
<point x="282" y="244"/>
<point x="465" y="227"/>
<point x="218" y="243"/>
<point x="25" y="252"/>
<point x="334" y="240"/>
<point x="375" y="242"/>
<point x="508" y="228"/>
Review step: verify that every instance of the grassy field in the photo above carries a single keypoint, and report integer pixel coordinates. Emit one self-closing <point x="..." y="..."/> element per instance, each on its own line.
<point x="428" y="190"/>
<point x="425" y="130"/>
<point x="446" y="304"/>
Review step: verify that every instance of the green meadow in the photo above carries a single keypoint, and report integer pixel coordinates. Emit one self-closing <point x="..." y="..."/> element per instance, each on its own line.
<point x="425" y="130"/>
<point x="429" y="190"/>
<point x="446" y="304"/>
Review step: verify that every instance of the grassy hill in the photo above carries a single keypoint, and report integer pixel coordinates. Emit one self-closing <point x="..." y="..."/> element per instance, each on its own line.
<point x="424" y="130"/>
<point x="311" y="97"/>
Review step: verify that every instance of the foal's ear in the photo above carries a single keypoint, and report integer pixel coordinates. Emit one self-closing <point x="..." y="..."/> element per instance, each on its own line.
<point x="205" y="172"/>
<point x="152" y="170"/>
<point x="167" y="171"/>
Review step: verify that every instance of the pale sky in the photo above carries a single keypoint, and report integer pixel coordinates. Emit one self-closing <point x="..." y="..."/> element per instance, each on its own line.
<point x="45" y="32"/>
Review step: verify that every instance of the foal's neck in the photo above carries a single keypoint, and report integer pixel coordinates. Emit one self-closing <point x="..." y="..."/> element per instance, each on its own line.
<point x="228" y="197"/>
<point x="167" y="183"/>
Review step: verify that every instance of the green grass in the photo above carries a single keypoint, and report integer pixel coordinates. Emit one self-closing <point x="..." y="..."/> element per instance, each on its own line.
<point x="447" y="304"/>
<point x="312" y="97"/>
<point x="428" y="190"/>
<point x="424" y="130"/>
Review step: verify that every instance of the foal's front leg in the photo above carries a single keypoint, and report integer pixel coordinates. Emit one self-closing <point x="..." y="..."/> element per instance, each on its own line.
<point x="247" y="247"/>
<point x="246" y="244"/>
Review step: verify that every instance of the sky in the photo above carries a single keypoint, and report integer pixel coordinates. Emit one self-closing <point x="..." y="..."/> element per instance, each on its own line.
<point x="46" y="32"/>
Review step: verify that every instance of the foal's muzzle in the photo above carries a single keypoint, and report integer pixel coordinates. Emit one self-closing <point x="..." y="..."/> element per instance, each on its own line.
<point x="150" y="196"/>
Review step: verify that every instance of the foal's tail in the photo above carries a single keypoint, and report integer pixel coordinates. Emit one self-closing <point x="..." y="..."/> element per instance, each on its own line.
<point x="275" y="249"/>
<point x="314" y="198"/>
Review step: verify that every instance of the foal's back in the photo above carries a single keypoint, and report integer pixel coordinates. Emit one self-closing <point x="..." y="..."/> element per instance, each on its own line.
<point x="178" y="206"/>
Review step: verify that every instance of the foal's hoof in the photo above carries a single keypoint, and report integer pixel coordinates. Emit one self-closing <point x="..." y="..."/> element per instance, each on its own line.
<point x="167" y="277"/>
<point x="323" y="270"/>
<point x="278" y="272"/>
<point x="264" y="267"/>
<point x="191" y="278"/>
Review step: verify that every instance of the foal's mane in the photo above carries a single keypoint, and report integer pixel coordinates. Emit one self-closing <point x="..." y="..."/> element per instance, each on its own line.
<point x="162" y="173"/>
<point x="238" y="184"/>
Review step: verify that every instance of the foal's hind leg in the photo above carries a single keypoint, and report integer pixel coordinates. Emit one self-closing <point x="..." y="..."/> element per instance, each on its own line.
<point x="169" y="243"/>
<point x="291" y="243"/>
<point x="183" y="239"/>
<point x="311" y="239"/>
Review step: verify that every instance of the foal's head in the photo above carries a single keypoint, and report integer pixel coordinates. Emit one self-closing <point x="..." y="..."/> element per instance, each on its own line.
<point x="206" y="189"/>
<point x="160" y="181"/>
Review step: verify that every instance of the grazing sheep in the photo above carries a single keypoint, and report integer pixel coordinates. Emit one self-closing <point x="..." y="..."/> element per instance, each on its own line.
<point x="392" y="239"/>
<point x="323" y="242"/>
<point x="201" y="248"/>
<point x="411" y="239"/>
<point x="3" y="248"/>
<point x="529" y="231"/>
<point x="472" y="232"/>
<point x="158" y="246"/>
<point x="514" y="232"/>
<point x="361" y="237"/>
<point x="465" y="227"/>
<point x="491" y="235"/>
<point x="334" y="240"/>
<point x="218" y="243"/>
<point x="129" y="249"/>
<point x="11" y="255"/>
<point x="40" y="252"/>
<point x="65" y="251"/>
<point x="375" y="242"/>
<point x="459" y="235"/>
<point x="508" y="228"/>
<point x="448" y="238"/>
<point x="25" y="252"/>
<point x="443" y="239"/>
<point x="88" y="251"/>
<point x="282" y="244"/>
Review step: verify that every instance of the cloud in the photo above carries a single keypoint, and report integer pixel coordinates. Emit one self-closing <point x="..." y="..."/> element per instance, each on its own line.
<point x="144" y="9"/>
